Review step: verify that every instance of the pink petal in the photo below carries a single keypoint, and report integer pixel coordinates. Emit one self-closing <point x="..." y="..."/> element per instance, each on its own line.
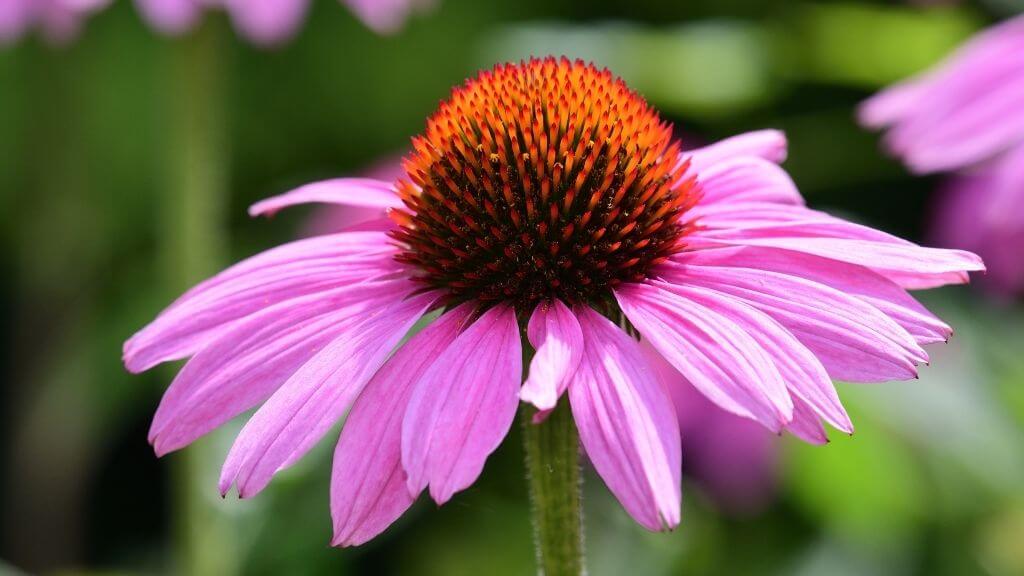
<point x="555" y="334"/>
<point x="721" y="360"/>
<point x="289" y="271"/>
<point x="627" y="424"/>
<point x="741" y="218"/>
<point x="747" y="179"/>
<point x="853" y="340"/>
<point x="768" y="144"/>
<point x="891" y="104"/>
<point x="907" y="264"/>
<point x="315" y="396"/>
<point x="784" y="221"/>
<point x="851" y="279"/>
<point x="360" y="192"/>
<point x="247" y="363"/>
<point x="803" y="373"/>
<point x="463" y="406"/>
<point x="368" y="484"/>
<point x="805" y="424"/>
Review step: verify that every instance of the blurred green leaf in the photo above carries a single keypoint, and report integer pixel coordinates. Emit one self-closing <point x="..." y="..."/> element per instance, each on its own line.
<point x="865" y="487"/>
<point x="705" y="69"/>
<point x="872" y="45"/>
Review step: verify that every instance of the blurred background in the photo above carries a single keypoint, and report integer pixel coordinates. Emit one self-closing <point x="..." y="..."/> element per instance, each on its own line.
<point x="127" y="160"/>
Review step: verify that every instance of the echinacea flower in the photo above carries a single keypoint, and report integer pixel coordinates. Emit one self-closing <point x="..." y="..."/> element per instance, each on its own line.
<point x="732" y="458"/>
<point x="545" y="204"/>
<point x="59" y="20"/>
<point x="269" y="22"/>
<point x="967" y="115"/>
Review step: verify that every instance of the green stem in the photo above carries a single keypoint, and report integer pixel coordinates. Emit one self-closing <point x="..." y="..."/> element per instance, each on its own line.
<point x="552" y="462"/>
<point x="194" y="245"/>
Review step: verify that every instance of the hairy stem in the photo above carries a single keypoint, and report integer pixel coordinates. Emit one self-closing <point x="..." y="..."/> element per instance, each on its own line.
<point x="552" y="462"/>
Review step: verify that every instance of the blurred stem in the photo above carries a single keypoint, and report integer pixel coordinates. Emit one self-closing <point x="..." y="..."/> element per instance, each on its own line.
<point x="194" y="244"/>
<point x="552" y="463"/>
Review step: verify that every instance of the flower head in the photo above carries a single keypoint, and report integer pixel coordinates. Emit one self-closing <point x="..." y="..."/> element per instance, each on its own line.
<point x="270" y="22"/>
<point x="544" y="198"/>
<point x="540" y="181"/>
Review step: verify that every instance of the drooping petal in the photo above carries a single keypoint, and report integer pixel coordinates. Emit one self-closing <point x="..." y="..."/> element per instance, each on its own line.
<point x="851" y="279"/>
<point x="555" y="334"/>
<point x="360" y="192"/>
<point x="463" y="406"/>
<point x="806" y="425"/>
<point x="289" y="271"/>
<point x="248" y="362"/>
<point x="315" y="396"/>
<point x="853" y="340"/>
<point x="720" y="359"/>
<point x="368" y="484"/>
<point x="768" y="144"/>
<point x="802" y="372"/>
<point x="627" y="423"/>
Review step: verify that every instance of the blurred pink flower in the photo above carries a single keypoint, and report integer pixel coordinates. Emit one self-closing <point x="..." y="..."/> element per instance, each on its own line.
<point x="58" y="20"/>
<point x="967" y="114"/>
<point x="967" y="109"/>
<point x="982" y="210"/>
<point x="733" y="459"/>
<point x="270" y="22"/>
<point x="710" y="255"/>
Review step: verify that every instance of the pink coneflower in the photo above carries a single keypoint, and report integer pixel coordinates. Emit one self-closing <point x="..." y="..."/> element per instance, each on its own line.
<point x="967" y="114"/>
<point x="58" y="20"/>
<point x="545" y="204"/>
<point x="271" y="22"/>
<point x="732" y="458"/>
